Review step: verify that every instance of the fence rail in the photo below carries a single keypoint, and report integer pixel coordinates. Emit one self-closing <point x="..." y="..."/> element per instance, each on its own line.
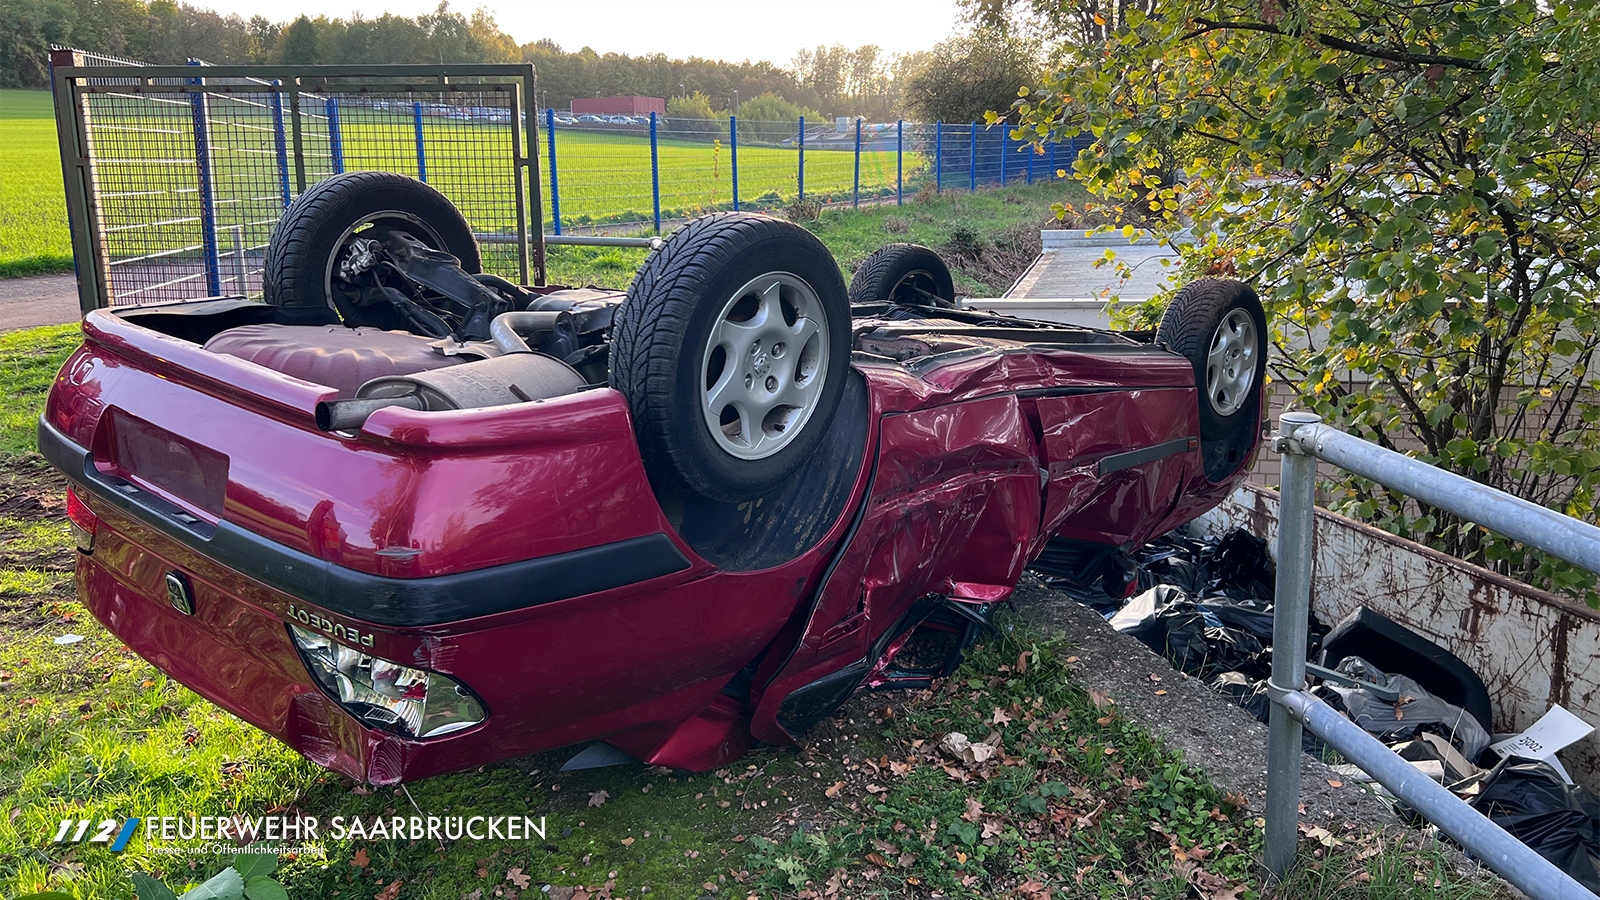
<point x="655" y="169"/>
<point x="1303" y="439"/>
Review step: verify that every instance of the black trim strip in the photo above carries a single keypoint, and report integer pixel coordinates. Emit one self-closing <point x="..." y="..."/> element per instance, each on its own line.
<point x="1116" y="462"/>
<point x="1031" y="393"/>
<point x="378" y="599"/>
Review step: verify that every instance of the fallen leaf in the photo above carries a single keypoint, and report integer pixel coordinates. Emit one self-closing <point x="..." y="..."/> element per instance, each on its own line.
<point x="1099" y="698"/>
<point x="627" y="842"/>
<point x="877" y="860"/>
<point x="598" y="798"/>
<point x="1335" y="783"/>
<point x="833" y="791"/>
<point x="390" y="892"/>
<point x="974" y="810"/>
<point x="1001" y="717"/>
<point x="1161" y="693"/>
<point x="1154" y="677"/>
<point x="361" y="860"/>
<point x="1022" y="663"/>
<point x="516" y="877"/>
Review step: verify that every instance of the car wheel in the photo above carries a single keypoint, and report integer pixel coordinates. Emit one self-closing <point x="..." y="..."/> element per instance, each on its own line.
<point x="317" y="235"/>
<point x="1219" y="326"/>
<point x="904" y="273"/>
<point x="732" y="348"/>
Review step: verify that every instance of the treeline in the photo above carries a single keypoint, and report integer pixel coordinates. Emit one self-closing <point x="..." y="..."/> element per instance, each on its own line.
<point x="165" y="32"/>
<point x="834" y="80"/>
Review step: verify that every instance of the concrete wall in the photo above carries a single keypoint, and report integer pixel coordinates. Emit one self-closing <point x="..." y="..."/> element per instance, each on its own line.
<point x="1532" y="649"/>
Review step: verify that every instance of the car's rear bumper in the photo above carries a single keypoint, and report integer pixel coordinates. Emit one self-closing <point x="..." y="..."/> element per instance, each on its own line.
<point x="400" y="602"/>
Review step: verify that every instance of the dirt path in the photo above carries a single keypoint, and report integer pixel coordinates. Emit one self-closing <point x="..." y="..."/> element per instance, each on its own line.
<point x="38" y="300"/>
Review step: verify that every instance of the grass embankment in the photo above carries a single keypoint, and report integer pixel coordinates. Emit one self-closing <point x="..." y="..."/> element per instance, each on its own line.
<point x="988" y="237"/>
<point x="33" y="210"/>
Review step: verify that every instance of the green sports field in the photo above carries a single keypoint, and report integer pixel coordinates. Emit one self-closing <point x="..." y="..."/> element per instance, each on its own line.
<point x="145" y="172"/>
<point x="33" y="214"/>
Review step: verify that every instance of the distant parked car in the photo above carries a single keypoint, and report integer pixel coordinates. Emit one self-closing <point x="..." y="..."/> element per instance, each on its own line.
<point x="565" y="120"/>
<point x="590" y="120"/>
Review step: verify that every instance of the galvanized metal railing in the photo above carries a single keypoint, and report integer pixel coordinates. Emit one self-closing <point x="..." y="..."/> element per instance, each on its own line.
<point x="1303" y="439"/>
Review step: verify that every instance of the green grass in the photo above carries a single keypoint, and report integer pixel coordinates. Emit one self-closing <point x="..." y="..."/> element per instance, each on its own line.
<point x="966" y="225"/>
<point x="29" y="361"/>
<point x="605" y="178"/>
<point x="33" y="211"/>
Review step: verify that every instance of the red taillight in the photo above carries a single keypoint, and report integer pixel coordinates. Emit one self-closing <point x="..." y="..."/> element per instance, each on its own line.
<point x="83" y="522"/>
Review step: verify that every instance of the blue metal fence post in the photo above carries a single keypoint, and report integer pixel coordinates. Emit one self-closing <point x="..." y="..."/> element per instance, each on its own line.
<point x="280" y="143"/>
<point x="938" y="156"/>
<point x="655" y="172"/>
<point x="899" y="162"/>
<point x="208" y="193"/>
<point x="733" y="144"/>
<point x="802" y="173"/>
<point x="335" y="135"/>
<point x="422" y="153"/>
<point x="1004" y="152"/>
<point x="972" y="164"/>
<point x="1031" y="155"/>
<point x="1053" y="169"/>
<point x="856" y="191"/>
<point x="555" y="183"/>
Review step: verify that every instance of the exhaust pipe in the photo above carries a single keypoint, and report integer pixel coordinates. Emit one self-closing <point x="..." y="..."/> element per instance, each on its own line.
<point x="349" y="415"/>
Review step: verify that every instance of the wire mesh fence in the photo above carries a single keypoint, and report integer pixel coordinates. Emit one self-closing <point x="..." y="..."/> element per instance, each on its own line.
<point x="650" y="170"/>
<point x="177" y="175"/>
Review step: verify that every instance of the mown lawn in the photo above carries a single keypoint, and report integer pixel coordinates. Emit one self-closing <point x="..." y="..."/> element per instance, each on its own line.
<point x="33" y="210"/>
<point x="602" y="177"/>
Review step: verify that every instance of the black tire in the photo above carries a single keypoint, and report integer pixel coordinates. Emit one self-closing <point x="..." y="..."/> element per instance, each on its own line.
<point x="662" y="350"/>
<point x="904" y="273"/>
<point x="1230" y="420"/>
<point x="309" y="237"/>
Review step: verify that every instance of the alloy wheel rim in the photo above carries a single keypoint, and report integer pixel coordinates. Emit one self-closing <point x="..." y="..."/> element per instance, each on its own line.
<point x="1231" y="362"/>
<point x="763" y="367"/>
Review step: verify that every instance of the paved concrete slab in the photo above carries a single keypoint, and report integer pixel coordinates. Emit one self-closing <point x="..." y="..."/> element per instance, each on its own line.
<point x="38" y="300"/>
<point x="1069" y="273"/>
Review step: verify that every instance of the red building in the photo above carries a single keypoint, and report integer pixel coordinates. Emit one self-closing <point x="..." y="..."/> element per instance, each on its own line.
<point x="619" y="106"/>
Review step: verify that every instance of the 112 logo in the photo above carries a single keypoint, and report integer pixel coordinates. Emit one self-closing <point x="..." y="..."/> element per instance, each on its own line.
<point x="73" y="831"/>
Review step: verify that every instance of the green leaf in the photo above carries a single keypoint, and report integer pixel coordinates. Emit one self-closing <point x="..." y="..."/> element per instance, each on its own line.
<point x="253" y="865"/>
<point x="225" y="885"/>
<point x="148" y="888"/>
<point x="48" y="895"/>
<point x="263" y="888"/>
<point x="1326" y="72"/>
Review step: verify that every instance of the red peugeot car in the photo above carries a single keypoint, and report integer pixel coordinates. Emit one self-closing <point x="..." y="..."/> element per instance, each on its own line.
<point x="410" y="519"/>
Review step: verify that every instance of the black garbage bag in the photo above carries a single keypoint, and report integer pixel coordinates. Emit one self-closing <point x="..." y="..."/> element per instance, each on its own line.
<point x="1241" y="568"/>
<point x="1092" y="574"/>
<point x="1244" y="615"/>
<point x="1401" y="651"/>
<point x="1416" y="710"/>
<point x="1191" y="638"/>
<point x="1251" y="695"/>
<point x="1559" y="821"/>
<point x="1167" y="621"/>
<point x="1246" y="692"/>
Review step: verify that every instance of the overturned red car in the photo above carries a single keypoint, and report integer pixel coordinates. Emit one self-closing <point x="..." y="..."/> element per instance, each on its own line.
<point x="408" y="518"/>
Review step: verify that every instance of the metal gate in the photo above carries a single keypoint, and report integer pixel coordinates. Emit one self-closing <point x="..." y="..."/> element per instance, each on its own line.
<point x="176" y="175"/>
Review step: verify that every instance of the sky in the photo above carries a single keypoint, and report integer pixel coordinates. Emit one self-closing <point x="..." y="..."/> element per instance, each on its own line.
<point x="733" y="30"/>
